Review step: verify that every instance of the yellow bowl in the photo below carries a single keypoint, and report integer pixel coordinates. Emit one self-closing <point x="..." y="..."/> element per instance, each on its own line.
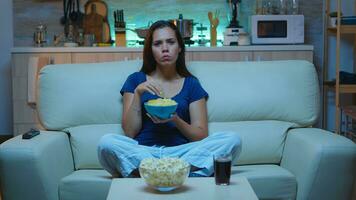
<point x="161" y="108"/>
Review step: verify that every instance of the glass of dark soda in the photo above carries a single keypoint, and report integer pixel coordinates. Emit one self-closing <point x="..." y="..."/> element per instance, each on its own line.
<point x="222" y="169"/>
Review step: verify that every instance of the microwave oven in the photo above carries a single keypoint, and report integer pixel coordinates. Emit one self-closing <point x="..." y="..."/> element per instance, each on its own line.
<point x="277" y="29"/>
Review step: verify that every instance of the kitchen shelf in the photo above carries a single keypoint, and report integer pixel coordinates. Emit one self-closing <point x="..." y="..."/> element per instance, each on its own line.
<point x="344" y="29"/>
<point x="349" y="113"/>
<point x="343" y="88"/>
<point x="335" y="85"/>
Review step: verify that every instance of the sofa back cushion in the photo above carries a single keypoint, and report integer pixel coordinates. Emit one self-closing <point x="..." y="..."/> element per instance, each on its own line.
<point x="83" y="94"/>
<point x="262" y="141"/>
<point x="269" y="90"/>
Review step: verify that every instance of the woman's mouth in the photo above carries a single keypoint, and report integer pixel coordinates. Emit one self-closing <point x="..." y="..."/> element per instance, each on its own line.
<point x="166" y="58"/>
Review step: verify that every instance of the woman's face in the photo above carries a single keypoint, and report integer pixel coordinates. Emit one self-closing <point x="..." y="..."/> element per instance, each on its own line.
<point x="165" y="47"/>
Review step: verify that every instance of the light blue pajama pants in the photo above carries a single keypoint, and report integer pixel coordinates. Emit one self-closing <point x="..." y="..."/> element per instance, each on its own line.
<point x="120" y="154"/>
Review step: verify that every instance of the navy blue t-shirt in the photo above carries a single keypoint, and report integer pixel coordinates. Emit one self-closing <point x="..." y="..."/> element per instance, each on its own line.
<point x="165" y="134"/>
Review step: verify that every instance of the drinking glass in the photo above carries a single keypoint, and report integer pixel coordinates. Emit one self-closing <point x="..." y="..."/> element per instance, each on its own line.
<point x="222" y="168"/>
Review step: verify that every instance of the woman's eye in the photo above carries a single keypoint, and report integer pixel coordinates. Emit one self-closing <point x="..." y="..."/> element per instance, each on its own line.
<point x="156" y="44"/>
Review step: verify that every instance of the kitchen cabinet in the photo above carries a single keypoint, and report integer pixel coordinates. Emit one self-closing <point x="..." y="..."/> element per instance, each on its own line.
<point x="24" y="110"/>
<point x="282" y="55"/>
<point x="222" y="56"/>
<point x="139" y="55"/>
<point x="99" y="57"/>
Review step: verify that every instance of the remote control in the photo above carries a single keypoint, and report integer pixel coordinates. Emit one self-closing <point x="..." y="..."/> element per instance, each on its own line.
<point x="30" y="134"/>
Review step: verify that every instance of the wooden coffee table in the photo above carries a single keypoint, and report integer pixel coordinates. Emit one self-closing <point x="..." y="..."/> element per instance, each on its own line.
<point x="193" y="188"/>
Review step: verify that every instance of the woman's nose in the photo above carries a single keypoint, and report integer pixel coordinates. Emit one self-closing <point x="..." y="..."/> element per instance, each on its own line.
<point x="164" y="47"/>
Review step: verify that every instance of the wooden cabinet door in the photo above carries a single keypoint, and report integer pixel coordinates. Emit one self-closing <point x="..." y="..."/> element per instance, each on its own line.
<point x="139" y="56"/>
<point x="222" y="56"/>
<point x="99" y="57"/>
<point x="136" y="56"/>
<point x="283" y="55"/>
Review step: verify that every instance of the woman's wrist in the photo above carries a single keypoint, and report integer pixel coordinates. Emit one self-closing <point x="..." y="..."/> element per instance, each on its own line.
<point x="136" y="92"/>
<point x="137" y="109"/>
<point x="175" y="118"/>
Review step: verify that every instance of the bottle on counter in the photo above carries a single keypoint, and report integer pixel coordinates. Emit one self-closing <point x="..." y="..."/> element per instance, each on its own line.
<point x="40" y="35"/>
<point x="80" y="38"/>
<point x="120" y="28"/>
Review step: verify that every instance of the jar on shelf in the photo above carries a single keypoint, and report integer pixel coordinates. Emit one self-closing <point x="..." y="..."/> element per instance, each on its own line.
<point x="295" y="7"/>
<point x="271" y="7"/>
<point x="283" y="7"/>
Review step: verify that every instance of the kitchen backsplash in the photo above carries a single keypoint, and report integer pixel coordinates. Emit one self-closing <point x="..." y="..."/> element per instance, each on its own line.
<point x="29" y="13"/>
<point x="138" y="13"/>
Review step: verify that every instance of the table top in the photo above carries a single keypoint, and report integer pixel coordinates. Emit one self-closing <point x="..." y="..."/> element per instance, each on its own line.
<point x="193" y="188"/>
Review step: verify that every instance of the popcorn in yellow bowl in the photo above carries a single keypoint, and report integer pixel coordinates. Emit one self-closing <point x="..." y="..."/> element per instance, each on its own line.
<point x="161" y="108"/>
<point x="161" y="102"/>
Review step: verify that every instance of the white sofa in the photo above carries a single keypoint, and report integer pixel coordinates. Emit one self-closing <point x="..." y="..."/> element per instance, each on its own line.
<point x="271" y="105"/>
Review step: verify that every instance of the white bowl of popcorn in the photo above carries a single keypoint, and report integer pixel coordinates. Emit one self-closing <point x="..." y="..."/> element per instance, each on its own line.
<point x="164" y="174"/>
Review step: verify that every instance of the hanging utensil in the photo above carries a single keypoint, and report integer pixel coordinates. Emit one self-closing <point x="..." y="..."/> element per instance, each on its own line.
<point x="66" y="10"/>
<point x="73" y="15"/>
<point x="80" y="15"/>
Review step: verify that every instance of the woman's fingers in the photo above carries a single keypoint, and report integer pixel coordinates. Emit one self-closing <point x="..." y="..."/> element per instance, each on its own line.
<point x="150" y="89"/>
<point x="156" y="88"/>
<point x="153" y="89"/>
<point x="149" y="86"/>
<point x="157" y="120"/>
<point x="152" y="118"/>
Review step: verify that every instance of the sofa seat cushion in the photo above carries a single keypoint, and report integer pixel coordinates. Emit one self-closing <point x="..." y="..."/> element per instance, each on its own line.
<point x="262" y="141"/>
<point x="85" y="184"/>
<point x="268" y="182"/>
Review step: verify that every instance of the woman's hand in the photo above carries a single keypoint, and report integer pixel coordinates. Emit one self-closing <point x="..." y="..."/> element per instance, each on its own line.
<point x="157" y="120"/>
<point x="148" y="86"/>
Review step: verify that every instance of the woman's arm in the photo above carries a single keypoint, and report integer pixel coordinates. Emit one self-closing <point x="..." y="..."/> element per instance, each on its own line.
<point x="198" y="127"/>
<point x="131" y="115"/>
<point x="132" y="110"/>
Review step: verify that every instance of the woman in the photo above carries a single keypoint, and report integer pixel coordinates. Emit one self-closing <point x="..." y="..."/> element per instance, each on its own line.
<point x="185" y="133"/>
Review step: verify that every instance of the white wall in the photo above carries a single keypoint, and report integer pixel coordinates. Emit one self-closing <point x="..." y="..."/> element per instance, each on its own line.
<point x="6" y="43"/>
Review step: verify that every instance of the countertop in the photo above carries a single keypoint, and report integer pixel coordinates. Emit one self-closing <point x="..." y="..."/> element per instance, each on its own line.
<point x="302" y="47"/>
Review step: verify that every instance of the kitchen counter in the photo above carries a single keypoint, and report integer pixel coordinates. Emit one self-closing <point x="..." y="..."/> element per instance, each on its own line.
<point x="140" y="49"/>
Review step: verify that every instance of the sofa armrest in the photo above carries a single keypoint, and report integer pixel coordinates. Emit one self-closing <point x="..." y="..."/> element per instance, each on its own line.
<point x="324" y="163"/>
<point x="32" y="169"/>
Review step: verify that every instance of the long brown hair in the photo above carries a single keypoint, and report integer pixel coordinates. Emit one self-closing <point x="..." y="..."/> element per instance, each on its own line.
<point x="149" y="62"/>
